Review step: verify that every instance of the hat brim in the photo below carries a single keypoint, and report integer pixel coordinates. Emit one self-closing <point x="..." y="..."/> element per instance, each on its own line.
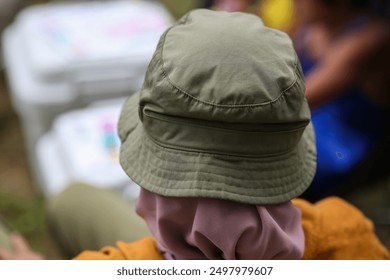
<point x="172" y="172"/>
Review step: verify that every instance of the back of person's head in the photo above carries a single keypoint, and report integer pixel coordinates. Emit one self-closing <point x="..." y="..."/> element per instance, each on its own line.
<point x="219" y="138"/>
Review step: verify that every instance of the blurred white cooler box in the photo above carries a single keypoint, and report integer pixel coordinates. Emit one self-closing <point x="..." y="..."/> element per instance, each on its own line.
<point x="62" y="56"/>
<point x="83" y="146"/>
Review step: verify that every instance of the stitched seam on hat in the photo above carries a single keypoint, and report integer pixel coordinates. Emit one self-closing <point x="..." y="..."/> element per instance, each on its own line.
<point x="232" y="192"/>
<point x="308" y="158"/>
<point x="250" y="159"/>
<point x="253" y="197"/>
<point x="188" y="149"/>
<point x="230" y="106"/>
<point x="302" y="174"/>
<point x="305" y="180"/>
<point x="193" y="123"/>
<point x="305" y="177"/>
<point x="187" y="166"/>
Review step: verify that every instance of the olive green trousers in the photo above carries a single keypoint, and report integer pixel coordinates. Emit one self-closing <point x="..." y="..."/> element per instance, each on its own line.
<point x="4" y="236"/>
<point x="83" y="217"/>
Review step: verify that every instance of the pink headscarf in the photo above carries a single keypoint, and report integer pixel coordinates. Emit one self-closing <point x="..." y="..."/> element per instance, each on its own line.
<point x="206" y="228"/>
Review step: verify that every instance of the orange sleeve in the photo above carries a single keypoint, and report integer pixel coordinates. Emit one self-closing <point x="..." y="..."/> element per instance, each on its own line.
<point x="143" y="249"/>
<point x="334" y="229"/>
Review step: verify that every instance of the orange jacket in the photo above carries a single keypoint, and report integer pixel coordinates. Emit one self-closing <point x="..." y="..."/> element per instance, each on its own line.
<point x="333" y="228"/>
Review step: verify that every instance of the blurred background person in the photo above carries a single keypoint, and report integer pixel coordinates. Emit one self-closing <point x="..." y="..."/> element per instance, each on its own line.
<point x="343" y="46"/>
<point x="278" y="14"/>
<point x="249" y="6"/>
<point x="231" y="5"/>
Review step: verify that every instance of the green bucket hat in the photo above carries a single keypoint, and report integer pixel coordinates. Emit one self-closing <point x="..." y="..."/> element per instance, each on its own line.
<point x="222" y="114"/>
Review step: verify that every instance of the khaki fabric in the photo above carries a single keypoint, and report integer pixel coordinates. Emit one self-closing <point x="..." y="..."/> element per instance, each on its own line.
<point x="225" y="119"/>
<point x="83" y="217"/>
<point x="4" y="236"/>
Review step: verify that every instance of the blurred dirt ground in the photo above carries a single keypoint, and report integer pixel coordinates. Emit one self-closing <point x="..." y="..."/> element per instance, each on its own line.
<point x="23" y="206"/>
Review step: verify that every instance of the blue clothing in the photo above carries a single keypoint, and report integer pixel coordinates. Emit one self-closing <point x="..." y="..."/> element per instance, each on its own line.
<point x="346" y="130"/>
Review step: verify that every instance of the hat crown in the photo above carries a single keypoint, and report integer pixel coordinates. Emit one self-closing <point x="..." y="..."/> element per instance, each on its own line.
<point x="226" y="67"/>
<point x="222" y="114"/>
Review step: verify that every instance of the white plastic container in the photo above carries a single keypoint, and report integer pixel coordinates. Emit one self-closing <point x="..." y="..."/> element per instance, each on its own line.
<point x="83" y="146"/>
<point x="63" y="56"/>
